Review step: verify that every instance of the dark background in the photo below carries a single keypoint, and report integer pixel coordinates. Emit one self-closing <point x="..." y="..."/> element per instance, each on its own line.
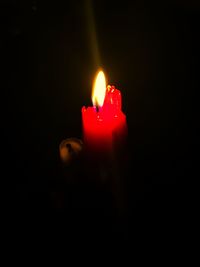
<point x="148" y="49"/>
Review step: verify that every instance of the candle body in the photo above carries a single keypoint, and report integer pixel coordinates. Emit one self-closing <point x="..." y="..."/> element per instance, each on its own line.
<point x="106" y="129"/>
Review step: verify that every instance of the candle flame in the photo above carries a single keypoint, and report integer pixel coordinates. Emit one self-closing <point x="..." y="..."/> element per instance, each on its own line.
<point x="99" y="89"/>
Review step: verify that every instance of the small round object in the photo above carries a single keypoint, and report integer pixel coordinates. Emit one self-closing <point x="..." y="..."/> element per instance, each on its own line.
<point x="70" y="149"/>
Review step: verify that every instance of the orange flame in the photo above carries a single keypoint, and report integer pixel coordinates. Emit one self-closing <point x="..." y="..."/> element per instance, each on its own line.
<point x="99" y="89"/>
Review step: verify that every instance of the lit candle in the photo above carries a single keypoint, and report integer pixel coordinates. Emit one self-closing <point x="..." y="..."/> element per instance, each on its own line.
<point x="104" y="124"/>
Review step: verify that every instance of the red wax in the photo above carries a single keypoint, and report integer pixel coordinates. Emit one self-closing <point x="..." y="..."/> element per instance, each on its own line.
<point x="105" y="129"/>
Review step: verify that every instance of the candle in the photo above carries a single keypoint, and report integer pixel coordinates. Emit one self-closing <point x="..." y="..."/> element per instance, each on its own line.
<point x="104" y="124"/>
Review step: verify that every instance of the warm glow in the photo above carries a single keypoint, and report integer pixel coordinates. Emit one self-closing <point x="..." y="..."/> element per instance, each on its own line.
<point x="99" y="89"/>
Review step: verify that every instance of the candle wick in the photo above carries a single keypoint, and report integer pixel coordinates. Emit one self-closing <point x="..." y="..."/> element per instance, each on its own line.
<point x="96" y="105"/>
<point x="97" y="108"/>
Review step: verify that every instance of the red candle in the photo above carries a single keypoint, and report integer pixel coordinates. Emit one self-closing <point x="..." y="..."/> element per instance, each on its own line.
<point x="104" y="124"/>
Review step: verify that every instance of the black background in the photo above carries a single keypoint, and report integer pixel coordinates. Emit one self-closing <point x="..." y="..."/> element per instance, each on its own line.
<point x="148" y="49"/>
